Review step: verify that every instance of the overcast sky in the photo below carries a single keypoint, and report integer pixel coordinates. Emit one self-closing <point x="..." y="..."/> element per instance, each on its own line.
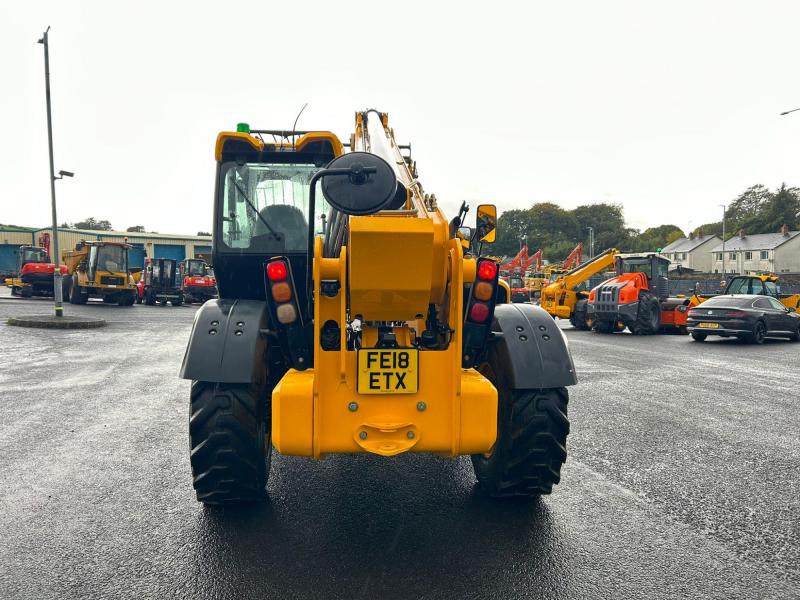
<point x="668" y="108"/>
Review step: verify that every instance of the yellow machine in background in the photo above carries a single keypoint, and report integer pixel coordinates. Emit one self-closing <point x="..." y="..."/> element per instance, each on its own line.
<point x="374" y="329"/>
<point x="99" y="269"/>
<point x="564" y="297"/>
<point x="765" y="284"/>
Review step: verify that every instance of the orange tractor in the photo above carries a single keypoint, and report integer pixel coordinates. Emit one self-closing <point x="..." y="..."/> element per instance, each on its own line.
<point x="637" y="298"/>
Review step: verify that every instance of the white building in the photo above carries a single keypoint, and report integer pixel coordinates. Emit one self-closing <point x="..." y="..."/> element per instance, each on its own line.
<point x="772" y="252"/>
<point x="692" y="252"/>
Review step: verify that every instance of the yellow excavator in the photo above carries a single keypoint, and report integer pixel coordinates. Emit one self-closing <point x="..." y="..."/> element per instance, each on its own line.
<point x="566" y="297"/>
<point x="374" y="330"/>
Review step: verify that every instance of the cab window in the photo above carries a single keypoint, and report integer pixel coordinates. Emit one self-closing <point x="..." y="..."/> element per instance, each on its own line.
<point x="265" y="207"/>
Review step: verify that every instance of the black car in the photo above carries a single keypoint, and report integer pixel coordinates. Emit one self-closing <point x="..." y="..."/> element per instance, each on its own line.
<point x="747" y="317"/>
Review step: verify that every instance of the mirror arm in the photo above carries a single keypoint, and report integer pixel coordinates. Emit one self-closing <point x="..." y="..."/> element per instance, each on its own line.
<point x="312" y="199"/>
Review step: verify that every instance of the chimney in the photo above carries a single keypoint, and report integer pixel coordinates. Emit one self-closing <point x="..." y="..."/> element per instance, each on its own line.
<point x="785" y="230"/>
<point x="741" y="234"/>
<point x="691" y="235"/>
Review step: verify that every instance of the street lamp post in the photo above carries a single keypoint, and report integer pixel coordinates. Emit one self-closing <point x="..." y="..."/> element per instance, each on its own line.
<point x="591" y="241"/>
<point x="57" y="289"/>
<point x="723" y="241"/>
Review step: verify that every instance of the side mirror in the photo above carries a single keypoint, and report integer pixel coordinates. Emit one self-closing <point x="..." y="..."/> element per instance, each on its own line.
<point x="486" y="223"/>
<point x="791" y="309"/>
<point x="363" y="184"/>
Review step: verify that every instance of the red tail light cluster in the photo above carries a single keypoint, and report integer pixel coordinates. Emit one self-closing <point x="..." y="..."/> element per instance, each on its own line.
<point x="479" y="311"/>
<point x="481" y="304"/>
<point x="281" y="290"/>
<point x="735" y="313"/>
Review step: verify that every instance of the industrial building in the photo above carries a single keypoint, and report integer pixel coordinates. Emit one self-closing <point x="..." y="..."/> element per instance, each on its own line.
<point x="154" y="245"/>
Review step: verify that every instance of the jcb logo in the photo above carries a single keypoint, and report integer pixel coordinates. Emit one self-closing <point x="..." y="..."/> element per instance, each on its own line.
<point x="387" y="371"/>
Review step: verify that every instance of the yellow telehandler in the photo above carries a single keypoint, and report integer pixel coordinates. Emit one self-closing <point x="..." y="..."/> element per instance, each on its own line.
<point x="374" y="329"/>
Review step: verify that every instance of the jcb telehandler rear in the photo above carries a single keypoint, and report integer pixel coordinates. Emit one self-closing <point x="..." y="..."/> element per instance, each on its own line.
<point x="637" y="298"/>
<point x="380" y="334"/>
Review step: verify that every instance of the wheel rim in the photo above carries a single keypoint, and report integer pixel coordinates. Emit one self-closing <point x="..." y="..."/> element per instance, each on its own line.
<point x="760" y="333"/>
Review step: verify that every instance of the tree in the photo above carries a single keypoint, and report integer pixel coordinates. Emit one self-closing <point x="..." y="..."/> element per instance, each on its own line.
<point x="136" y="229"/>
<point x="91" y="223"/>
<point x="783" y="208"/>
<point x="512" y="227"/>
<point x="747" y="207"/>
<point x="608" y="222"/>
<point x="204" y="233"/>
<point x="653" y="238"/>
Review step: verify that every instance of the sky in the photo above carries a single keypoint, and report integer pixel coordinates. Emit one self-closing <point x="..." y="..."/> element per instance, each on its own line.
<point x="667" y="108"/>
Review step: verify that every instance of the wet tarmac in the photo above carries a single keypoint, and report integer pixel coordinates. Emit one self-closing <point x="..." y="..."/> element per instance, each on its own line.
<point x="681" y="481"/>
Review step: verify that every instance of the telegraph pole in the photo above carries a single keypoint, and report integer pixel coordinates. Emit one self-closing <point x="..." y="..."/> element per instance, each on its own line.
<point x="57" y="289"/>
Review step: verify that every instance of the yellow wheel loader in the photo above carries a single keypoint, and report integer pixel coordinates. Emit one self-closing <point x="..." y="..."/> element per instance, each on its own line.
<point x="353" y="317"/>
<point x="99" y="269"/>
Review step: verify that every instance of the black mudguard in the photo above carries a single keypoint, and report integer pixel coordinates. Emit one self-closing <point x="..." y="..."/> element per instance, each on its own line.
<point x="528" y="340"/>
<point x="226" y="345"/>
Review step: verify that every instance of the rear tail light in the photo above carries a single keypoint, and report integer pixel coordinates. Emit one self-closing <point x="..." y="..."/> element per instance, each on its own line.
<point x="693" y="313"/>
<point x="276" y="270"/>
<point x="479" y="312"/>
<point x="284" y="308"/>
<point x="487" y="270"/>
<point x="735" y="313"/>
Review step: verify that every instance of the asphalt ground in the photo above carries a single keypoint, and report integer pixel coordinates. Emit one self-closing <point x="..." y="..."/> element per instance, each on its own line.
<point x="681" y="481"/>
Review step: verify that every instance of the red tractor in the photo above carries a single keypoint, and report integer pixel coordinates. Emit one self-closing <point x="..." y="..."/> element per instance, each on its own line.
<point x="34" y="273"/>
<point x="637" y="298"/>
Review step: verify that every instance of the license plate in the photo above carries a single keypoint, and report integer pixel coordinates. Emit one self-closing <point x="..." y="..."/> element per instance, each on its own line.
<point x="388" y="371"/>
<point x="709" y="325"/>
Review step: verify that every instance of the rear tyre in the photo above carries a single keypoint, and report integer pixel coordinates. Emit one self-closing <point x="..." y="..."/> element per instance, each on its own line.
<point x="699" y="337"/>
<point x="26" y="292"/>
<point x="229" y="434"/>
<point x="578" y="317"/>
<point x="758" y="334"/>
<point x="66" y="288"/>
<point x="531" y="446"/>
<point x="149" y="299"/>
<point x="76" y="296"/>
<point x="14" y="290"/>
<point x="795" y="337"/>
<point x="648" y="317"/>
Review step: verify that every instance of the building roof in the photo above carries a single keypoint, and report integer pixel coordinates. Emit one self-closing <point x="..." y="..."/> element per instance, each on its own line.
<point x="131" y="235"/>
<point x="688" y="244"/>
<point x="758" y="241"/>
